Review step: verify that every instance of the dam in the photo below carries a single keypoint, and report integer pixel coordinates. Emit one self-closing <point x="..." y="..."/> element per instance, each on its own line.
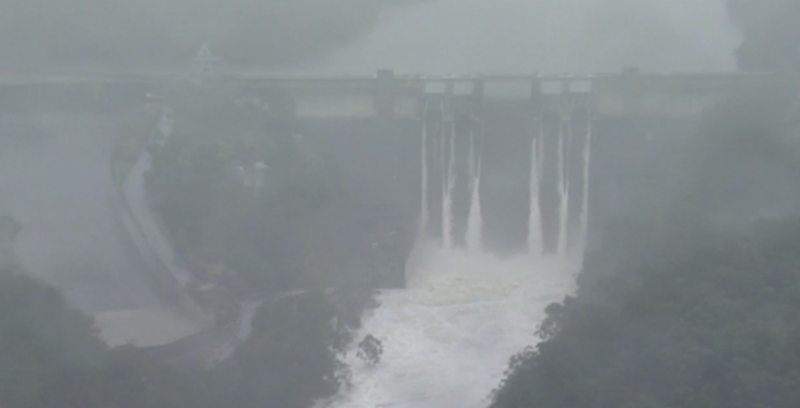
<point x="499" y="162"/>
<point x="515" y="170"/>
<point x="495" y="162"/>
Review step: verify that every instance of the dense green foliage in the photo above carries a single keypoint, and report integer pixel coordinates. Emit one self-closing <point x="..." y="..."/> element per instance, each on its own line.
<point x="718" y="328"/>
<point x="214" y="218"/>
<point x="154" y="32"/>
<point x="223" y="214"/>
<point x="50" y="356"/>
<point x="290" y="360"/>
<point x="771" y="34"/>
<point x="691" y="313"/>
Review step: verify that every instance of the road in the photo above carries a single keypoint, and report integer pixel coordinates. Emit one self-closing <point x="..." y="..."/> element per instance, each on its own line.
<point x="55" y="179"/>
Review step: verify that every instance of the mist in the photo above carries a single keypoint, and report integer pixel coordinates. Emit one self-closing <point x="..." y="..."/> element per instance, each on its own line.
<point x="550" y="36"/>
<point x="186" y="236"/>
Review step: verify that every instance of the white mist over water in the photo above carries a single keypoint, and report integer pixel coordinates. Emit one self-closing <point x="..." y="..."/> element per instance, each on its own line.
<point x="447" y="338"/>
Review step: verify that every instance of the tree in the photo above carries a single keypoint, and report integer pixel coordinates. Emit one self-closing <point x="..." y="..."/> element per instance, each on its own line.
<point x="202" y="178"/>
<point x="370" y="349"/>
<point x="770" y="34"/>
<point x="290" y="359"/>
<point x="700" y="315"/>
<point x="50" y="354"/>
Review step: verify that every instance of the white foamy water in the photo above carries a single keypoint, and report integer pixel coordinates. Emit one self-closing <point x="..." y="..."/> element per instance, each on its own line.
<point x="535" y="238"/>
<point x="563" y="185"/>
<point x="448" y="181"/>
<point x="424" y="214"/>
<point x="584" y="220"/>
<point x="448" y="337"/>
<point x="474" y="219"/>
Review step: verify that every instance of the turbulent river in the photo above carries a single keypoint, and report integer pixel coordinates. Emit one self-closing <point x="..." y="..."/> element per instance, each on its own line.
<point x="447" y="338"/>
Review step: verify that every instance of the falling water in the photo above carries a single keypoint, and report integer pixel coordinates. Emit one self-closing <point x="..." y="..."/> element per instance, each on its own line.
<point x="424" y="214"/>
<point x="448" y="184"/>
<point x="472" y="153"/>
<point x="540" y="162"/>
<point x="474" y="220"/>
<point x="535" y="236"/>
<point x="584" y="220"/>
<point x="448" y="336"/>
<point x="443" y="172"/>
<point x="563" y="184"/>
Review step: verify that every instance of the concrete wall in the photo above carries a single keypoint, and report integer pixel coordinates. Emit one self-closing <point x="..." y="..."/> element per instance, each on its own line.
<point x="382" y="160"/>
<point x="608" y="95"/>
<point x="371" y="128"/>
<point x="503" y="133"/>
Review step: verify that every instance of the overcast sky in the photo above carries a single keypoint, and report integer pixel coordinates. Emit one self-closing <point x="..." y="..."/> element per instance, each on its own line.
<point x="522" y="36"/>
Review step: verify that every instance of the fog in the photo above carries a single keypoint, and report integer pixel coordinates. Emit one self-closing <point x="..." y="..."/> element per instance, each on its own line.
<point x="54" y="181"/>
<point x="257" y="252"/>
<point x="551" y="36"/>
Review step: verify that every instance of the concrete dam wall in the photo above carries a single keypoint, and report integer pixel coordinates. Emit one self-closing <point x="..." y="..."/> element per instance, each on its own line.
<point x="466" y="180"/>
<point x="500" y="181"/>
<point x="507" y="165"/>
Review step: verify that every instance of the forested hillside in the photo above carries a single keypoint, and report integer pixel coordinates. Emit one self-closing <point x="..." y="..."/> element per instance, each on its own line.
<point x="714" y="327"/>
<point x="50" y="356"/>
<point x="771" y="33"/>
<point x="700" y="309"/>
<point x="248" y="232"/>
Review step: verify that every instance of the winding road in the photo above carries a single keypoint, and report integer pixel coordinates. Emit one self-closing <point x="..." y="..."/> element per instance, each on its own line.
<point x="55" y="179"/>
